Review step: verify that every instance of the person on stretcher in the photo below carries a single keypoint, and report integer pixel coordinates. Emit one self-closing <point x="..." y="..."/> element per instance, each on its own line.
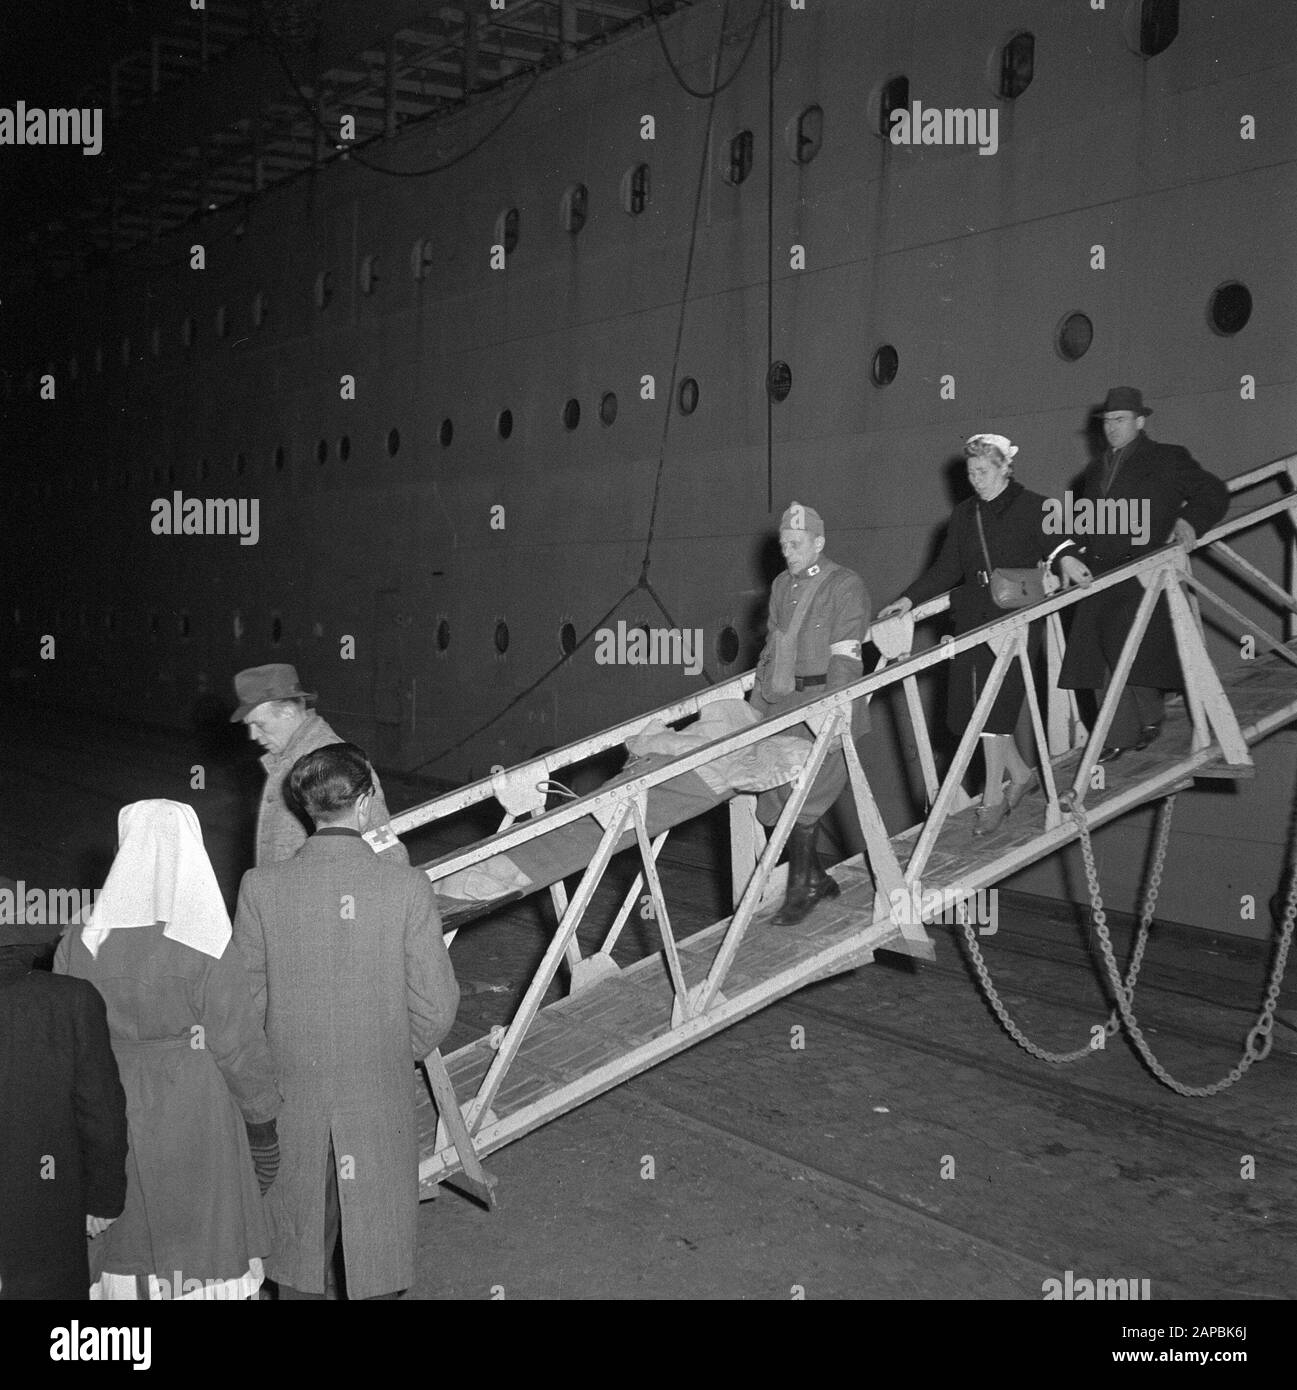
<point x="548" y="858"/>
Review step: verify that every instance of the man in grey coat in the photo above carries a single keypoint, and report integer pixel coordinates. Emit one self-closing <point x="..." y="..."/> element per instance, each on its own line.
<point x="349" y="968"/>
<point x="273" y="706"/>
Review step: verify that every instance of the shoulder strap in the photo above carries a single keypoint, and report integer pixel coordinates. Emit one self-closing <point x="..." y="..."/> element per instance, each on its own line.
<point x="986" y="554"/>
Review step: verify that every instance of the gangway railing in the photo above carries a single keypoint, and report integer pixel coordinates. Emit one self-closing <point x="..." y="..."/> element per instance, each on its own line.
<point x="1219" y="746"/>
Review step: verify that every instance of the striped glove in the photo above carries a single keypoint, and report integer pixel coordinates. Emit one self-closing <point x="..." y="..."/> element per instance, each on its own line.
<point x="263" y="1140"/>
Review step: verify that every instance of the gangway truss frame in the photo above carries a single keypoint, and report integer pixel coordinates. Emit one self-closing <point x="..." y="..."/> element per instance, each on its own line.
<point x="615" y="1021"/>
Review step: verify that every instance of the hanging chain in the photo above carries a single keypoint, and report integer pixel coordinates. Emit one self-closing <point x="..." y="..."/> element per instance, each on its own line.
<point x="1125" y="988"/>
<point x="1259" y="1040"/>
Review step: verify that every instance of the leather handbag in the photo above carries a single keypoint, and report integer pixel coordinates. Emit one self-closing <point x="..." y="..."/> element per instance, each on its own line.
<point x="1011" y="588"/>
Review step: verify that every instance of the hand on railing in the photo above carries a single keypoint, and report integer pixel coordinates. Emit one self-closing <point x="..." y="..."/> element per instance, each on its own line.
<point x="1182" y="534"/>
<point x="1075" y="571"/>
<point x="894" y="609"/>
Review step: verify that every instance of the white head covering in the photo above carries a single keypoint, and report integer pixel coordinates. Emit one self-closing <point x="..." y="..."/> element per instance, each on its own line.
<point x="997" y="441"/>
<point x="161" y="874"/>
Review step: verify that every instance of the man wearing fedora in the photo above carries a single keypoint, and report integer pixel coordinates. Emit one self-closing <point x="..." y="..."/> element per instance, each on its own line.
<point x="273" y="704"/>
<point x="62" y="1115"/>
<point x="1181" y="501"/>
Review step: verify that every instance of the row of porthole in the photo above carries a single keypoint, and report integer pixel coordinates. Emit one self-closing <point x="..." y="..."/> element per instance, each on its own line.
<point x="726" y="647"/>
<point x="1151" y="26"/>
<point x="1229" y="308"/>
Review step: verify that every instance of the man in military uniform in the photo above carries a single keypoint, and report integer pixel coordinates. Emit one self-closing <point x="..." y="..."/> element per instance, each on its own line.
<point x="1179" y="500"/>
<point x="273" y="706"/>
<point x="819" y="615"/>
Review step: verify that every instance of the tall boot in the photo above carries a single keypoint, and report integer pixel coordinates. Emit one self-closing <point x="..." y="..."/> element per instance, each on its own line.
<point x="807" y="881"/>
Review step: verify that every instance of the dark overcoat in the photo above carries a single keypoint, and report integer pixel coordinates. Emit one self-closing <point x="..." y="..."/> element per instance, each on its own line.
<point x="349" y="968"/>
<point x="62" y="1128"/>
<point x="1016" y="538"/>
<point x="1175" y="486"/>
<point x="195" y="1066"/>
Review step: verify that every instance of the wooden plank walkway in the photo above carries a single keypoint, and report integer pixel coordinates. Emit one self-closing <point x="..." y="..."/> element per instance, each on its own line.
<point x="621" y="1024"/>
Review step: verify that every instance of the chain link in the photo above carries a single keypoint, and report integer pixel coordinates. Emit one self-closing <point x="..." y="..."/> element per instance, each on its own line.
<point x="1259" y="1040"/>
<point x="1124" y="990"/>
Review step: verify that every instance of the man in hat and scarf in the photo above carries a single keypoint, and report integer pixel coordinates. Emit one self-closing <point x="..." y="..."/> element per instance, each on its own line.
<point x="819" y="615"/>
<point x="1168" y="497"/>
<point x="273" y="706"/>
<point x="62" y="1115"/>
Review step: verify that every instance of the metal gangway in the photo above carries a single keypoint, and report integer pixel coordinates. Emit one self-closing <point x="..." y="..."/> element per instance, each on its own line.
<point x="615" y="1022"/>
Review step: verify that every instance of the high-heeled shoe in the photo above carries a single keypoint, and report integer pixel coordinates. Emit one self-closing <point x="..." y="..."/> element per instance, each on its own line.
<point x="1017" y="790"/>
<point x="989" y="818"/>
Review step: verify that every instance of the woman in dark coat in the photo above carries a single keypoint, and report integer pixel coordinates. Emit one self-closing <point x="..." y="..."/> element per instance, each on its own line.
<point x="199" y="1081"/>
<point x="62" y="1118"/>
<point x="1013" y="520"/>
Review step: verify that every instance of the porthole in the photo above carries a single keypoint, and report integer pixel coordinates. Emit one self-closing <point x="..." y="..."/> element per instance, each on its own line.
<point x="635" y="189"/>
<point x="886" y="363"/>
<point x="155" y="340"/>
<point x="1152" y="26"/>
<point x="186" y="334"/>
<point x="323" y="289"/>
<point x="608" y="408"/>
<point x="446" y="433"/>
<point x="687" y="396"/>
<point x="443" y="634"/>
<point x="567" y="638"/>
<point x="276" y="629"/>
<point x="126" y="352"/>
<point x="221" y="321"/>
<point x="393" y="442"/>
<point x="504" y="424"/>
<point x="892" y="95"/>
<point x="183" y="624"/>
<point x="572" y="208"/>
<point x="281" y="457"/>
<point x="571" y="413"/>
<point x="507" y="229"/>
<point x="240" y="465"/>
<point x="1073" y="338"/>
<point x="779" y="381"/>
<point x="806" y="134"/>
<point x="260" y="308"/>
<point x="739" y="163"/>
<point x="421" y="254"/>
<point x="1230" y="308"/>
<point x="238" y="625"/>
<point x="322" y="451"/>
<point x="154" y="623"/>
<point x="501" y="636"/>
<point x="369" y="275"/>
<point x="344" y="447"/>
<point x="1016" y="66"/>
<point x="727" y="646"/>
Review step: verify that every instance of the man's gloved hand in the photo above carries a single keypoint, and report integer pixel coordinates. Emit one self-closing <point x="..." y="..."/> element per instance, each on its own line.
<point x="263" y="1140"/>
